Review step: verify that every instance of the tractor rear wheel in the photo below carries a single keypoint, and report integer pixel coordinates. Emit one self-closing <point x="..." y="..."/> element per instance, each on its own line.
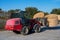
<point x="25" y="30"/>
<point x="37" y="28"/>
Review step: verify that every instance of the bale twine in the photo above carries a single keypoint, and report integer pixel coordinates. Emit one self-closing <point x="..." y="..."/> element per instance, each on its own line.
<point x="39" y="15"/>
<point x="52" y="19"/>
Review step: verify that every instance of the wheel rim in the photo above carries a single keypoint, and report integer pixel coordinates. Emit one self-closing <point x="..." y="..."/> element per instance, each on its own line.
<point x="37" y="29"/>
<point x="26" y="31"/>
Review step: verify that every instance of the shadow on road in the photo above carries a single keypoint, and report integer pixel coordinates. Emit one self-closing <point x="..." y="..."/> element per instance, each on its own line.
<point x="47" y="28"/>
<point x="50" y="28"/>
<point x="44" y="29"/>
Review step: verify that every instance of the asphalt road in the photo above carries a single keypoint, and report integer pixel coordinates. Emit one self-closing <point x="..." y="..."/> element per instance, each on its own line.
<point x="46" y="34"/>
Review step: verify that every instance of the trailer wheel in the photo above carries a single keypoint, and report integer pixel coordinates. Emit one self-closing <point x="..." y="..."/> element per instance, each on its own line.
<point x="25" y="30"/>
<point x="37" y="28"/>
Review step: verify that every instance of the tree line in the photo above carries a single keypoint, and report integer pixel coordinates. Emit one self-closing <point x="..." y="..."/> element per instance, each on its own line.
<point x="29" y="12"/>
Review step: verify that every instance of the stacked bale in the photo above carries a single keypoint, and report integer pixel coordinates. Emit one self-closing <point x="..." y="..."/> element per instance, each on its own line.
<point x="52" y="19"/>
<point x="58" y="17"/>
<point x="39" y="15"/>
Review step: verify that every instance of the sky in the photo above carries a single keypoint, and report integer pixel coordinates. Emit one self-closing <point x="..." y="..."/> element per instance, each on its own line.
<point x="43" y="5"/>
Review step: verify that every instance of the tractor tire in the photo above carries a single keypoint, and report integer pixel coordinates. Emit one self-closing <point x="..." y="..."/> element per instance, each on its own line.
<point x="25" y="30"/>
<point x="37" y="28"/>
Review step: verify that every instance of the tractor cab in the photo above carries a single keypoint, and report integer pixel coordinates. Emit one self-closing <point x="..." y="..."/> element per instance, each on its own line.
<point x="24" y="20"/>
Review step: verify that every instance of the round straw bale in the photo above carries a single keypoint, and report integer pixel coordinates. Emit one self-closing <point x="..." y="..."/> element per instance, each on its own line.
<point x="39" y="15"/>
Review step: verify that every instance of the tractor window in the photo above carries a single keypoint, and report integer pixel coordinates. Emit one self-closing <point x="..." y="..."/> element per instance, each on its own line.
<point x="15" y="15"/>
<point x="17" y="22"/>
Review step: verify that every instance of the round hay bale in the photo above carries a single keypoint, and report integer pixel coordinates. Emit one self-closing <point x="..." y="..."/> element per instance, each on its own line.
<point x="39" y="15"/>
<point x="51" y="16"/>
<point x="58" y="17"/>
<point x="53" y="22"/>
<point x="52" y="19"/>
<point x="46" y="16"/>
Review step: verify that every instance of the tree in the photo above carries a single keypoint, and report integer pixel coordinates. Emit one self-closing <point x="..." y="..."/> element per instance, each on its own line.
<point x="11" y="11"/>
<point x="46" y="13"/>
<point x="30" y="11"/>
<point x="1" y="10"/>
<point x="14" y="11"/>
<point x="17" y="10"/>
<point x="55" y="11"/>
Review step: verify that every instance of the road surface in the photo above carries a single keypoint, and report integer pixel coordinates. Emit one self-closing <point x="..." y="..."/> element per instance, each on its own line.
<point x="46" y="34"/>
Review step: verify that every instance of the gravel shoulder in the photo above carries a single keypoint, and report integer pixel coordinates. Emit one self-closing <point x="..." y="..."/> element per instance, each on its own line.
<point x="48" y="34"/>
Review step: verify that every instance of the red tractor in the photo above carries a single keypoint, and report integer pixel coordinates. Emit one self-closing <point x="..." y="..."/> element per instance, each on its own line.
<point x="23" y="25"/>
